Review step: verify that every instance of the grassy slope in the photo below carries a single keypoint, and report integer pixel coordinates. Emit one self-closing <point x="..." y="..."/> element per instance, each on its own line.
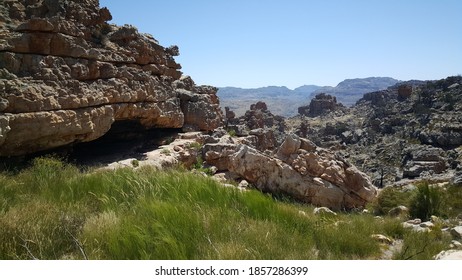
<point x="54" y="211"/>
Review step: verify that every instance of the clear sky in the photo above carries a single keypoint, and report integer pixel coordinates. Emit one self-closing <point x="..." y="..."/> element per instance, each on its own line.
<point x="254" y="43"/>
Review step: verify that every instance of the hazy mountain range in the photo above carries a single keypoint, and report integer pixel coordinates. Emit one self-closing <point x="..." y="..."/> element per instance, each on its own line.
<point x="285" y="102"/>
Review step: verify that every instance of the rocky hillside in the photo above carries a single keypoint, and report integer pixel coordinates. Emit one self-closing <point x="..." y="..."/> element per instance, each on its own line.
<point x="66" y="76"/>
<point x="410" y="131"/>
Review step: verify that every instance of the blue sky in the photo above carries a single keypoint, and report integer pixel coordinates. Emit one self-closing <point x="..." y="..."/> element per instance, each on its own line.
<point x="252" y="43"/>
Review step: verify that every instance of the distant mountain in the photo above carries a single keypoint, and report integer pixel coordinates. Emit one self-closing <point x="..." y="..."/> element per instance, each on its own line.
<point x="280" y="100"/>
<point x="351" y="90"/>
<point x="285" y="102"/>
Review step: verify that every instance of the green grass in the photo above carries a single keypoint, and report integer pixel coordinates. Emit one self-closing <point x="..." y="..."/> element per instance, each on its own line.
<point x="53" y="210"/>
<point x="418" y="246"/>
<point x="423" y="201"/>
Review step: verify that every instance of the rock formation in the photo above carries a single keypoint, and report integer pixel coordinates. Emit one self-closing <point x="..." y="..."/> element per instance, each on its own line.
<point x="66" y="76"/>
<point x="300" y="169"/>
<point x="264" y="130"/>
<point x="404" y="91"/>
<point x="321" y="104"/>
<point x="411" y="131"/>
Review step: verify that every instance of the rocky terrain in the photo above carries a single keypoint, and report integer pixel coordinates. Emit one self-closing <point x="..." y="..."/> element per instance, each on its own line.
<point x="261" y="155"/>
<point x="112" y="97"/>
<point x="412" y="130"/>
<point x="67" y="76"/>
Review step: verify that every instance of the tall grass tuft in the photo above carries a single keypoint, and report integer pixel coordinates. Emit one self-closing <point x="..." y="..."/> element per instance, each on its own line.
<point x="426" y="202"/>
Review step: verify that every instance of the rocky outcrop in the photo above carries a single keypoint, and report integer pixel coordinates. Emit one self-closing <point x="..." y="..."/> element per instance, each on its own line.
<point x="321" y="104"/>
<point x="421" y="158"/>
<point x="66" y="76"/>
<point x="265" y="131"/>
<point x="404" y="92"/>
<point x="412" y="130"/>
<point x="305" y="172"/>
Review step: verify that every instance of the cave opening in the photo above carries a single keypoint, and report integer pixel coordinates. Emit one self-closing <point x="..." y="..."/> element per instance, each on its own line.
<point x="125" y="139"/>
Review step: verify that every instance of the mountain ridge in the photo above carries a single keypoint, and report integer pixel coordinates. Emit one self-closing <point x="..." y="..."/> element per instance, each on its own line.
<point x="284" y="101"/>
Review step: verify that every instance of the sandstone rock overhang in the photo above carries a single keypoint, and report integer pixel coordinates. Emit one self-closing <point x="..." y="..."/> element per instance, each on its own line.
<point x="66" y="75"/>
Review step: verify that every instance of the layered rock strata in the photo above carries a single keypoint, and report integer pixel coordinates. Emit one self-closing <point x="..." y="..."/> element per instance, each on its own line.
<point x="66" y="76"/>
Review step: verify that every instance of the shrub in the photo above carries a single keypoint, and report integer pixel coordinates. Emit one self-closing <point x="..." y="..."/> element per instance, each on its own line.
<point x="452" y="201"/>
<point x="232" y="133"/>
<point x="199" y="166"/>
<point x="426" y="202"/>
<point x="195" y="145"/>
<point x="389" y="198"/>
<point x="135" y="163"/>
<point x="422" y="245"/>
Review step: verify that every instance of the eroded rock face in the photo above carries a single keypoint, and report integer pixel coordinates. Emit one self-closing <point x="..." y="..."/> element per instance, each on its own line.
<point x="316" y="175"/>
<point x="321" y="104"/>
<point x="66" y="75"/>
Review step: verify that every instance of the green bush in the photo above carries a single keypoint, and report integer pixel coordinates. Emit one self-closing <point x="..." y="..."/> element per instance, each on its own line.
<point x="388" y="199"/>
<point x="426" y="202"/>
<point x="422" y="245"/>
<point x="232" y="133"/>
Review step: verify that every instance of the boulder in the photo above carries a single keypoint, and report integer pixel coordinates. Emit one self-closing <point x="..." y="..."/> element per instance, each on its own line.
<point x="456" y="180"/>
<point x="382" y="239"/>
<point x="456" y="232"/>
<point x="217" y="154"/>
<point x="243" y="184"/>
<point x="323" y="211"/>
<point x="260" y="105"/>
<point x="399" y="211"/>
<point x="290" y="146"/>
<point x="319" y="177"/>
<point x="67" y="75"/>
<point x="449" y="255"/>
<point x="229" y="115"/>
<point x="455" y="244"/>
